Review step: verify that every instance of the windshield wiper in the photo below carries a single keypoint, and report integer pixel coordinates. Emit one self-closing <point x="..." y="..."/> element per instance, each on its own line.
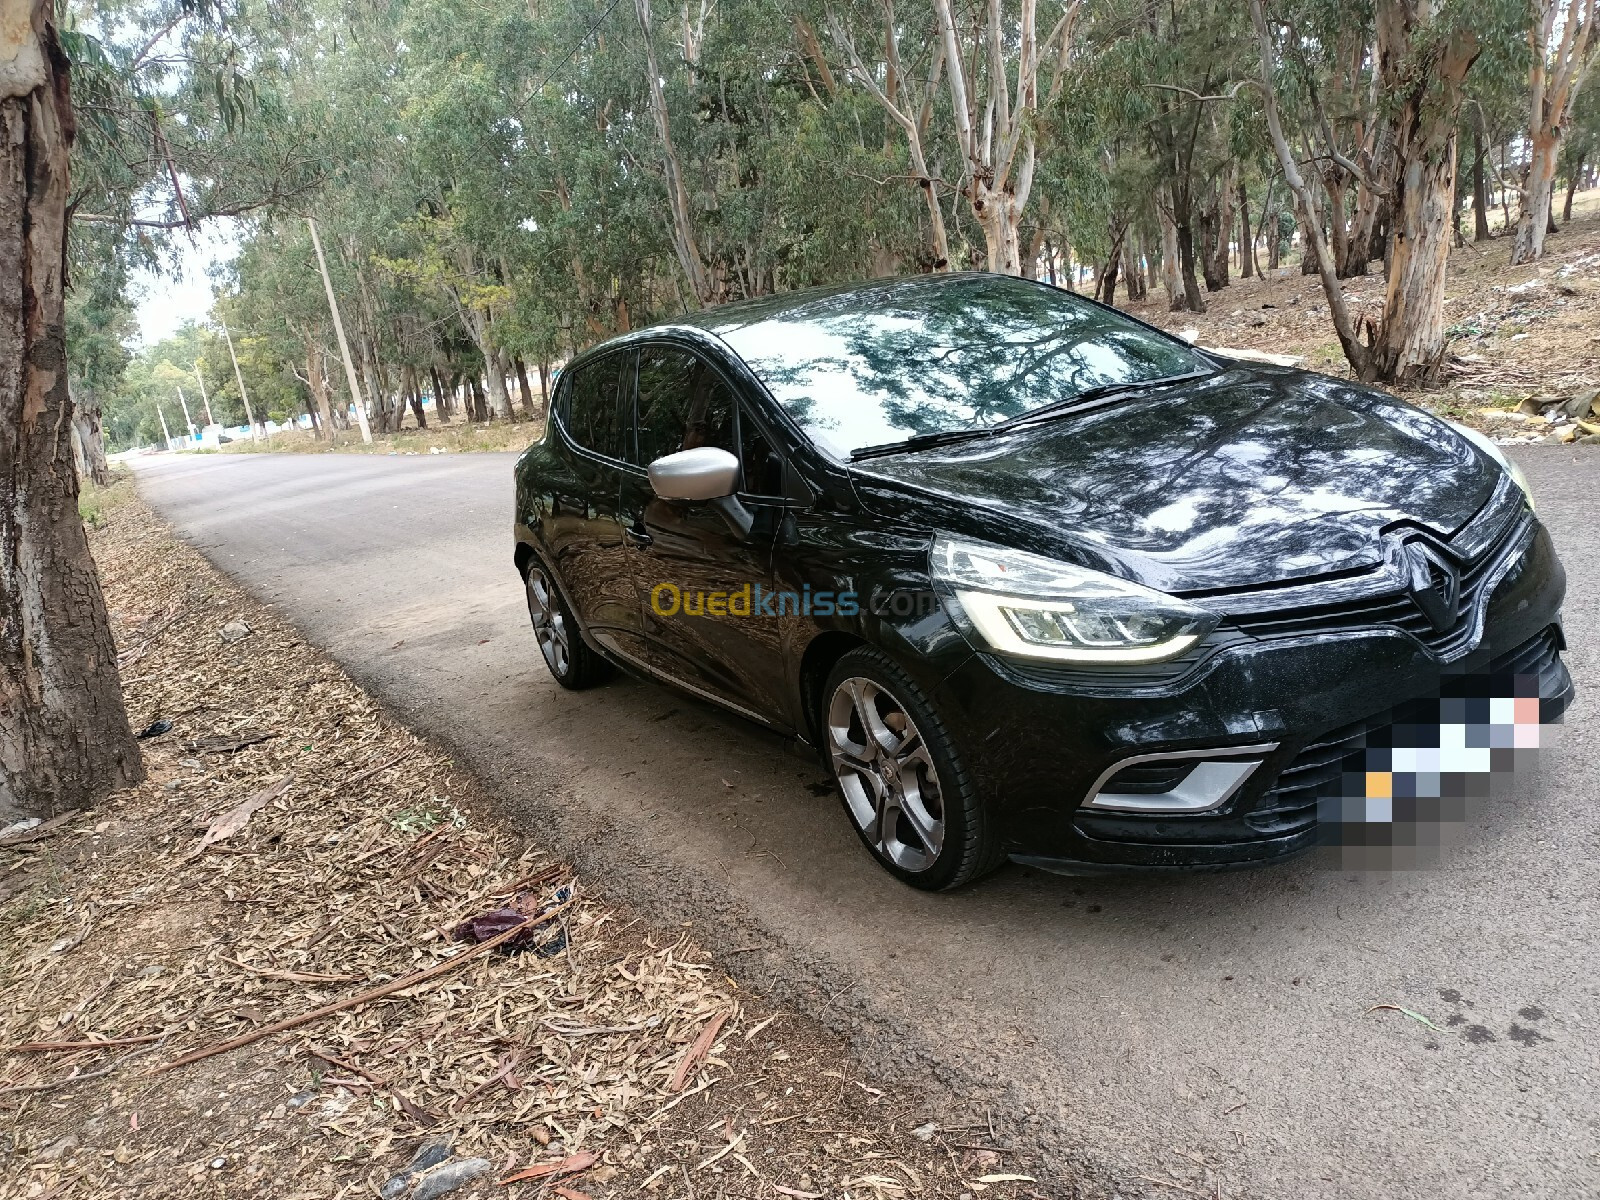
<point x="1092" y="396"/>
<point x="1085" y="399"/>
<point x="924" y="441"/>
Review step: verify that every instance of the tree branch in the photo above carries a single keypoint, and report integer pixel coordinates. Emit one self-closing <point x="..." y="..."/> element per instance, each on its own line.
<point x="1231" y="94"/>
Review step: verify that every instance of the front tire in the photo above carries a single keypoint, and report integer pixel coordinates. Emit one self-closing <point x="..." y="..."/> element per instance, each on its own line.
<point x="902" y="780"/>
<point x="572" y="663"/>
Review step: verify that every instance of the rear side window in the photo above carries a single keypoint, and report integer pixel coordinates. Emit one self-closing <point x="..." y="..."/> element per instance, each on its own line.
<point x="683" y="404"/>
<point x="595" y="408"/>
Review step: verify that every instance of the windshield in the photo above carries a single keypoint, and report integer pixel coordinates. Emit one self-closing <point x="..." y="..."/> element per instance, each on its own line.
<point x="934" y="355"/>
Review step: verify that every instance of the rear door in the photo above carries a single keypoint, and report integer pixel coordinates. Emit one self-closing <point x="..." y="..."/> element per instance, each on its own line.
<point x="700" y="584"/>
<point x="587" y="535"/>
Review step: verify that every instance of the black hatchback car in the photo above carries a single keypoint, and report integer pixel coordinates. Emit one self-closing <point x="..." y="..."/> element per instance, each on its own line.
<point x="1038" y="581"/>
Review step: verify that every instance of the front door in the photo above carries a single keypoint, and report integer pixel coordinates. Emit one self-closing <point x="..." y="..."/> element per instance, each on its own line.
<point x="703" y="588"/>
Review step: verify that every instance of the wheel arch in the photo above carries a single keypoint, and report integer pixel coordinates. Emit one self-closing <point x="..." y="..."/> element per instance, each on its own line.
<point x="820" y="655"/>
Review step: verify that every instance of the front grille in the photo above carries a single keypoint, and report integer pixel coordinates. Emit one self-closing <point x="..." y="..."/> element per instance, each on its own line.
<point x="1290" y="804"/>
<point x="1398" y="610"/>
<point x="1537" y="656"/>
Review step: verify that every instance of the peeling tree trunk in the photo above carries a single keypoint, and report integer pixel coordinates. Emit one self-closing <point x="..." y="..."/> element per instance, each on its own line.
<point x="319" y="389"/>
<point x="999" y="211"/>
<point x="522" y="384"/>
<point x="1554" y="81"/>
<point x="499" y="398"/>
<point x="494" y="360"/>
<point x="995" y="128"/>
<point x="1218" y="225"/>
<point x="1194" y="301"/>
<point x="1105" y="285"/>
<point x="369" y="372"/>
<point x="1411" y="341"/>
<point x="86" y="425"/>
<point x="1171" y="278"/>
<point x="1538" y="193"/>
<point x="1407" y="344"/>
<point x="64" y="735"/>
<point x="1033" y="244"/>
<point x="1133" y="269"/>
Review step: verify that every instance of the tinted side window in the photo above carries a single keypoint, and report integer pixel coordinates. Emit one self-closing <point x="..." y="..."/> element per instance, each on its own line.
<point x="595" y="417"/>
<point x="683" y="404"/>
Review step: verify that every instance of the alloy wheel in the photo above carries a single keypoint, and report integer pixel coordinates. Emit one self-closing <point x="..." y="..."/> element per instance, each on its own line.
<point x="887" y="776"/>
<point x="549" y="626"/>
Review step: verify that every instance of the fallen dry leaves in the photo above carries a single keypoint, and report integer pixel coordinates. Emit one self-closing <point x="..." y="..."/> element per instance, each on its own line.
<point x="240" y="979"/>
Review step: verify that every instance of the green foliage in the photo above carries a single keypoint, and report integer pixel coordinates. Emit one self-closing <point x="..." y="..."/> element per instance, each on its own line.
<point x="487" y="175"/>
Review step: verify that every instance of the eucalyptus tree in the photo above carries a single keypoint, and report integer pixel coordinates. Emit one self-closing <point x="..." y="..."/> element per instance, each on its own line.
<point x="992" y="66"/>
<point x="1166" y="75"/>
<point x="1564" y="47"/>
<point x="909" y="92"/>
<point x="64" y="735"/>
<point x="1580" y="149"/>
<point x="277" y="295"/>
<point x="1423" y="51"/>
<point x="126" y="122"/>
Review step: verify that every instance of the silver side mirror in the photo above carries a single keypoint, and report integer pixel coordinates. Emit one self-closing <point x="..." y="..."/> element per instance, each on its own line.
<point x="705" y="473"/>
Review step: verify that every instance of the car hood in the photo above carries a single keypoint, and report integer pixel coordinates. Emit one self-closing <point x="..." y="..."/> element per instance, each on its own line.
<point x="1250" y="477"/>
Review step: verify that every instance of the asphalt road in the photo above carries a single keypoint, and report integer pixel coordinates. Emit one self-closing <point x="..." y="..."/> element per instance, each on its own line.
<point x="1143" y="1023"/>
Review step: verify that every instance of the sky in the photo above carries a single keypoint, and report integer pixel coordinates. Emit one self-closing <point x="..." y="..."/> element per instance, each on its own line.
<point x="168" y="299"/>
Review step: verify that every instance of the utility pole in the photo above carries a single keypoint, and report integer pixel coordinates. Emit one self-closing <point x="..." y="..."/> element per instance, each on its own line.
<point x="205" y="398"/>
<point x="338" y="328"/>
<point x="166" y="434"/>
<point x="249" y="413"/>
<point x="188" y="425"/>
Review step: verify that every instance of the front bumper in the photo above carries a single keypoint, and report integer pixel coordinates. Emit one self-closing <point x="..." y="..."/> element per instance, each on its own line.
<point x="1040" y="743"/>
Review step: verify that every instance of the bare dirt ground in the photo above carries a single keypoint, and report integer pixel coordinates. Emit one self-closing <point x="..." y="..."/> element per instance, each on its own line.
<point x="1527" y="335"/>
<point x="297" y="857"/>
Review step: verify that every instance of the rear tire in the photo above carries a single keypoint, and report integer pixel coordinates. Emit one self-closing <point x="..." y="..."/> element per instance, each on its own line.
<point x="572" y="663"/>
<point x="905" y="789"/>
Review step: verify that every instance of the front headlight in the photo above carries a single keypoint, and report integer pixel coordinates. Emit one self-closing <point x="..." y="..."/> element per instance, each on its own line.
<point x="1494" y="452"/>
<point x="1035" y="607"/>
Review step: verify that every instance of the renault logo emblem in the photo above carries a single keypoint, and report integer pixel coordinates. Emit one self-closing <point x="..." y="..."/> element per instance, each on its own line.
<point x="1434" y="583"/>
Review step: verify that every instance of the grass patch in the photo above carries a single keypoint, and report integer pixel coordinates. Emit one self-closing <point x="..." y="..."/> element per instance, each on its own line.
<point x="96" y="504"/>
